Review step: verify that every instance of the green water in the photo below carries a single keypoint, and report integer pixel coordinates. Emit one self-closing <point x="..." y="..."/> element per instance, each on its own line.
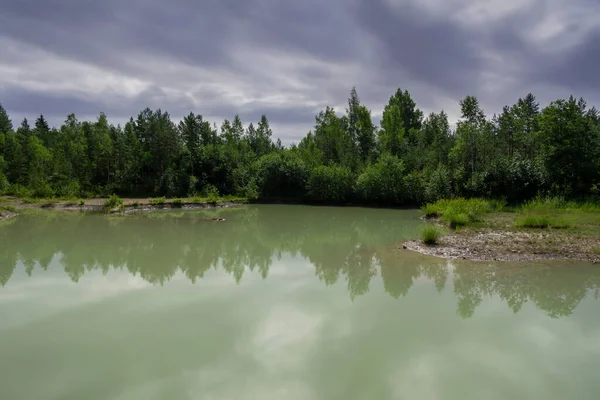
<point x="281" y="302"/>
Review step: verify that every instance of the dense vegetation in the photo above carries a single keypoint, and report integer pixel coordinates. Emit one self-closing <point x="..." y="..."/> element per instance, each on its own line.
<point x="409" y="159"/>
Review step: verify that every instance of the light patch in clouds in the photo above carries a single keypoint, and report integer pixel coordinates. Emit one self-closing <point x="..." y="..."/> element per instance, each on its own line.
<point x="289" y="60"/>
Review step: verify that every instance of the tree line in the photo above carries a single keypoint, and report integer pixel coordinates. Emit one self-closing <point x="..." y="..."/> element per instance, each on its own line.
<point x="409" y="158"/>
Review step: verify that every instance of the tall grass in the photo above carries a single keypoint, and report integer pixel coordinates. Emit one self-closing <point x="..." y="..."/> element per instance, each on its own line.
<point x="551" y="204"/>
<point x="157" y="201"/>
<point x="461" y="212"/>
<point x="430" y="234"/>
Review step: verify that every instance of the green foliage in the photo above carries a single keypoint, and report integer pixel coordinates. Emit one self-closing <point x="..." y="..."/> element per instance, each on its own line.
<point x="212" y="194"/>
<point x="461" y="212"/>
<point x="541" y="222"/>
<point x="4" y="184"/>
<point x="383" y="182"/>
<point x="177" y="203"/>
<point x="82" y="202"/>
<point x="113" y="202"/>
<point x="157" y="201"/>
<point x="251" y="191"/>
<point x="281" y="175"/>
<point x="8" y="208"/>
<point x="430" y="235"/>
<point x="439" y="185"/>
<point x="332" y="184"/>
<point x="523" y="152"/>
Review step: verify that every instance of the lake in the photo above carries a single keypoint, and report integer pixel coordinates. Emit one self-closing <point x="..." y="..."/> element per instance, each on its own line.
<point x="281" y="302"/>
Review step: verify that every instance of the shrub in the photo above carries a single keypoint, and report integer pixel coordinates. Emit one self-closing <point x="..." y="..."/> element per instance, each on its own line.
<point x="177" y="203"/>
<point x="4" y="185"/>
<point x="281" y="175"/>
<point x="251" y="190"/>
<point x="332" y="184"/>
<point x="113" y="202"/>
<point x="439" y="185"/>
<point x="82" y="202"/>
<point x="212" y="193"/>
<point x="157" y="201"/>
<point x="430" y="234"/>
<point x="383" y="182"/>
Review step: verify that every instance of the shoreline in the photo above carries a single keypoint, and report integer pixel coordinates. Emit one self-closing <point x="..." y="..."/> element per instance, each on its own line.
<point x="498" y="243"/>
<point x="96" y="205"/>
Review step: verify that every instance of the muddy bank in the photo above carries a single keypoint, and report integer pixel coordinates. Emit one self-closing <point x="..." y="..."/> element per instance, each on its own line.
<point x="96" y="205"/>
<point x="498" y="245"/>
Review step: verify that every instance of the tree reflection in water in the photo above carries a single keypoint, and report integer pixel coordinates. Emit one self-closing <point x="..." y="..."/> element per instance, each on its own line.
<point x="157" y="246"/>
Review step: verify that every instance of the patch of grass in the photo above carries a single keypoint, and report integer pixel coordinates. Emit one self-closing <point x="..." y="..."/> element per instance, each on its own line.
<point x="597" y="250"/>
<point x="82" y="202"/>
<point x="135" y="204"/>
<point x="541" y="222"/>
<point x="197" y="200"/>
<point x="430" y="235"/>
<point x="460" y="211"/>
<point x="455" y="218"/>
<point x="8" y="208"/>
<point x="113" y="202"/>
<point x="177" y="203"/>
<point x="533" y="222"/>
<point x="157" y="201"/>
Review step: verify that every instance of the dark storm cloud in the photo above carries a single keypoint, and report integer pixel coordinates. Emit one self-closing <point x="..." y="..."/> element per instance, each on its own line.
<point x="577" y="68"/>
<point x="430" y="50"/>
<point x="286" y="59"/>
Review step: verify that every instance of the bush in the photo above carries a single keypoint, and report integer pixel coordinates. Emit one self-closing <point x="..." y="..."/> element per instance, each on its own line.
<point x="251" y="190"/>
<point x="383" y="182"/>
<point x="281" y="175"/>
<point x="333" y="184"/>
<point x="177" y="203"/>
<point x="82" y="202"/>
<point x="42" y="189"/>
<point x="430" y="234"/>
<point x="4" y="185"/>
<point x="113" y="202"/>
<point x="157" y="201"/>
<point x="212" y="193"/>
<point x="439" y="185"/>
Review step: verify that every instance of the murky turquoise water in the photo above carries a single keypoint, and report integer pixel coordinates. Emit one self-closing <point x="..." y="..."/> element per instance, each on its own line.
<point x="282" y="302"/>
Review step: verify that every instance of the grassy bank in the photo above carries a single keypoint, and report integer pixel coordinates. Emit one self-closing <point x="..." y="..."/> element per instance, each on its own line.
<point x="537" y="229"/>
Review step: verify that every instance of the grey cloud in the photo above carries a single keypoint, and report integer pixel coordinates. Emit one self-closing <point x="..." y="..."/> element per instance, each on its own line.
<point x="577" y="69"/>
<point x="429" y="50"/>
<point x="383" y="47"/>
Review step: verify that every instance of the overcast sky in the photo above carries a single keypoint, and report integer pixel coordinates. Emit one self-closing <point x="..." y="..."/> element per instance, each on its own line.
<point x="289" y="59"/>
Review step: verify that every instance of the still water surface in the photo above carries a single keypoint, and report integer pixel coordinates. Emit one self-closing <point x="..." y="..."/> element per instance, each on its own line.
<point x="281" y="302"/>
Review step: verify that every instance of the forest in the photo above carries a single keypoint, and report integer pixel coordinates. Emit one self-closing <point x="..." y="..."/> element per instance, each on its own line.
<point x="410" y="158"/>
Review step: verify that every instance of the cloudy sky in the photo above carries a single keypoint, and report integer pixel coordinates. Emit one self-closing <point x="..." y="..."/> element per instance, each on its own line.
<point x="289" y="59"/>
